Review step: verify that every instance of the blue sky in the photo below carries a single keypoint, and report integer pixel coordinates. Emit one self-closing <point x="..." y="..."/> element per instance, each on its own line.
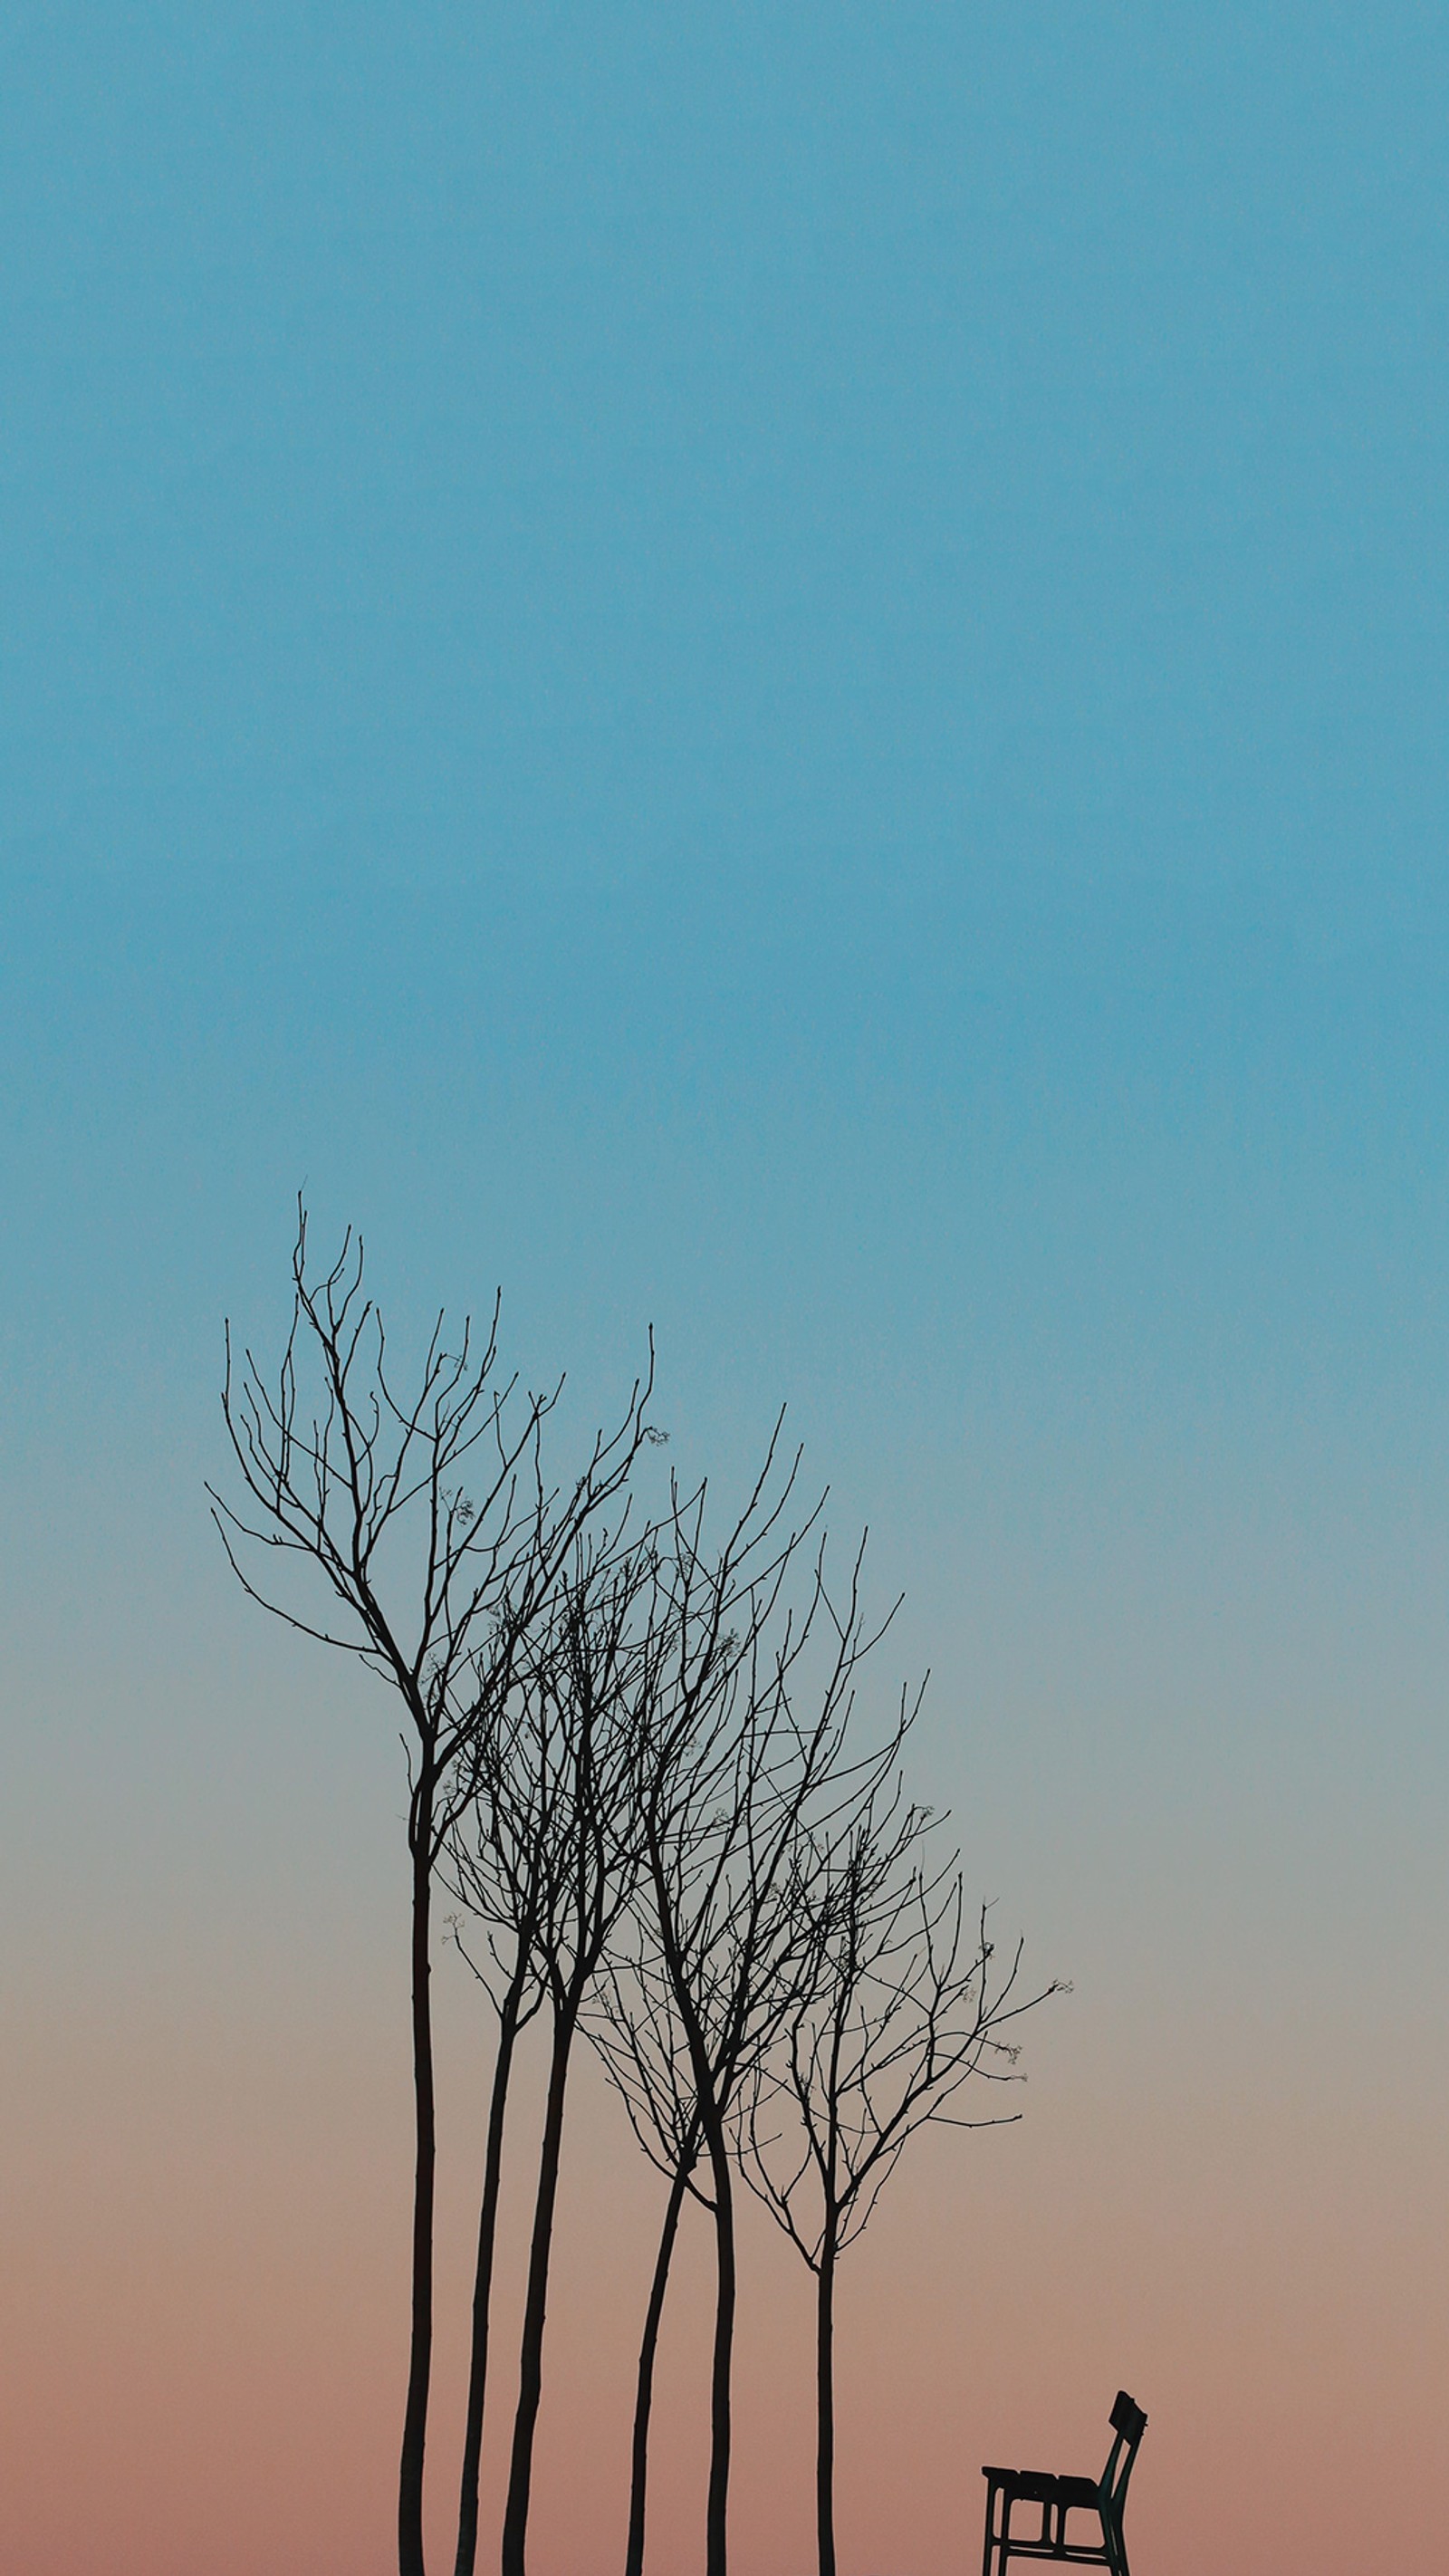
<point x="783" y="678"/>
<point x="837" y="617"/>
<point x="779" y="672"/>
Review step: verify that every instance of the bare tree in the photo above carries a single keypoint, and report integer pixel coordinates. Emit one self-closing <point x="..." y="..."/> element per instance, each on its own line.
<point x="552" y="1834"/>
<point x="639" y="2042"/>
<point x="729" y="1772"/>
<point x="894" y="2011"/>
<point x="436" y="1589"/>
<point x="495" y="1858"/>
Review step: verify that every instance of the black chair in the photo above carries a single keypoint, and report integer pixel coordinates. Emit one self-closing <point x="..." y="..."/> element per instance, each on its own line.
<point x="1104" y="2496"/>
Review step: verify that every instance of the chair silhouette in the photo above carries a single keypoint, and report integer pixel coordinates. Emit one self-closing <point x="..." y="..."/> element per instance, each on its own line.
<point x="1104" y="2496"/>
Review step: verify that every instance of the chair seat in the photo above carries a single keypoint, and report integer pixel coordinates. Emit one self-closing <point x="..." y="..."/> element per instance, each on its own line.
<point x="1085" y="2491"/>
<point x="1042" y="2486"/>
<point x="1034" y="2486"/>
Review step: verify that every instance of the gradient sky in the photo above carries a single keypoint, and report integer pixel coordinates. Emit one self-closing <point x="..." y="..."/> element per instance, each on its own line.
<point x="779" y="672"/>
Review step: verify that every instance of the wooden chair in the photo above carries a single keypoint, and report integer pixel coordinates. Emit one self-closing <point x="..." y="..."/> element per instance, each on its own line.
<point x="1104" y="2496"/>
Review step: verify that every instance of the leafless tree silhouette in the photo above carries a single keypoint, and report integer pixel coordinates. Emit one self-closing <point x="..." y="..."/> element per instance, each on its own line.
<point x="730" y="1774"/>
<point x="496" y="1858"/>
<point x="436" y="1589"/>
<point x="895" y="2009"/>
<point x="552" y="1831"/>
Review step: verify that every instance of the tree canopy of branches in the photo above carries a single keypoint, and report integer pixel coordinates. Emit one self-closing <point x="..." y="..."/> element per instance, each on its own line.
<point x="436" y="1588"/>
<point x="635" y="1758"/>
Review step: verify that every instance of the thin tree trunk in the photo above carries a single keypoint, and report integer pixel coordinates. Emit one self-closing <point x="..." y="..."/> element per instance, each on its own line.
<point x="644" y="2395"/>
<point x="530" y="2367"/>
<point x="482" y="2291"/>
<point x="415" y="2416"/>
<point x="825" y="2397"/>
<point x="716" y="2544"/>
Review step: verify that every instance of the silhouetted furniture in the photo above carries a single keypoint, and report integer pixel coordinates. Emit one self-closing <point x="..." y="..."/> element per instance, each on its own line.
<point x="1057" y="2497"/>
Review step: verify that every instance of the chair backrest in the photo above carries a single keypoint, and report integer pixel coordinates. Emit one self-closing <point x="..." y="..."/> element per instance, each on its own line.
<point x="1128" y="2424"/>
